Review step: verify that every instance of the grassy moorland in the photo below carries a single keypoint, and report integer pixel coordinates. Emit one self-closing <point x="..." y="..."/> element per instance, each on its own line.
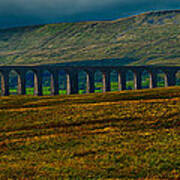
<point x="150" y="38"/>
<point x="129" y="134"/>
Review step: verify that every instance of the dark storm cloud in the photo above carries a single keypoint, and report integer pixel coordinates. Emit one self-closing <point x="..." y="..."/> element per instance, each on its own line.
<point x="23" y="12"/>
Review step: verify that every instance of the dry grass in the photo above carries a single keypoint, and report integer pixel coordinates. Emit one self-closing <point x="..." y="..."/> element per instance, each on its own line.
<point x="130" y="134"/>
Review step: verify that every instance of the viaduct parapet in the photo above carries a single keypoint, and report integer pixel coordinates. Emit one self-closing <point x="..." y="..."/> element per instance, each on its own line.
<point x="72" y="77"/>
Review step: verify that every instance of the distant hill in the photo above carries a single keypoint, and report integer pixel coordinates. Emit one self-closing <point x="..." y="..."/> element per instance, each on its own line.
<point x="150" y="38"/>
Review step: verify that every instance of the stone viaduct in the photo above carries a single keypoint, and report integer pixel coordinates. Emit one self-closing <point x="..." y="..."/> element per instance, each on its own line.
<point x="72" y="77"/>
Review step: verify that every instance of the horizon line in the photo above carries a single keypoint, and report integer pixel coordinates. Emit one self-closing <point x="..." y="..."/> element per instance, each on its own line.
<point x="93" y="21"/>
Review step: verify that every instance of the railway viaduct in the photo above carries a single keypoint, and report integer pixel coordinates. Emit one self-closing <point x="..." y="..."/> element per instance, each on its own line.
<point x="72" y="77"/>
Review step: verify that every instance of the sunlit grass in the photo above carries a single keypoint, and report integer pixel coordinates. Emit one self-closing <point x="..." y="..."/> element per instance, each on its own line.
<point x="128" y="134"/>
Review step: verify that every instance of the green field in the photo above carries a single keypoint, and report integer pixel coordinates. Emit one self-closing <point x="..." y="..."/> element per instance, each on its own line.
<point x="128" y="134"/>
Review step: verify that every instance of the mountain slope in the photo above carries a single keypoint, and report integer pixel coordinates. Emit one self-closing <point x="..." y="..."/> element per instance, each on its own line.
<point x="150" y="38"/>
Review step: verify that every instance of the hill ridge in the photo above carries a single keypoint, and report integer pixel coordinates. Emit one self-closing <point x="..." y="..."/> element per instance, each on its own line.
<point x="150" y="38"/>
<point x="156" y="12"/>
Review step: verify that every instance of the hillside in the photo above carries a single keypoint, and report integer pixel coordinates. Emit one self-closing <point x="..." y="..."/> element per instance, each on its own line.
<point x="150" y="38"/>
<point x="131" y="134"/>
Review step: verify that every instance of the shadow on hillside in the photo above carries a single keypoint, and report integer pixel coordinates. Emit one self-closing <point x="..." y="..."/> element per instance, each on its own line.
<point x="101" y="62"/>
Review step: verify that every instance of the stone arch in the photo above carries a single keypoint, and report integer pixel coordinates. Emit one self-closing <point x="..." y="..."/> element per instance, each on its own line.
<point x="121" y="79"/>
<point x="160" y="78"/>
<point x="170" y="77"/>
<point x="4" y="82"/>
<point x="114" y="80"/>
<point x="98" y="84"/>
<point x="13" y="82"/>
<point x="106" y="80"/>
<point x="129" y="79"/>
<point x="62" y="81"/>
<point x="145" y="77"/>
<point x="72" y="81"/>
<point x="29" y="85"/>
<point x="46" y="82"/>
<point x="90" y="81"/>
<point x="82" y="81"/>
<point x="29" y="78"/>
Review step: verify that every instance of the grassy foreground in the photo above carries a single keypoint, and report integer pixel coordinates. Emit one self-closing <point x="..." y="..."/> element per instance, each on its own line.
<point x="130" y="134"/>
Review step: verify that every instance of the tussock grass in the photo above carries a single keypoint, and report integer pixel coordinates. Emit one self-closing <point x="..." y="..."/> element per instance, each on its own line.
<point x="129" y="134"/>
<point x="151" y="38"/>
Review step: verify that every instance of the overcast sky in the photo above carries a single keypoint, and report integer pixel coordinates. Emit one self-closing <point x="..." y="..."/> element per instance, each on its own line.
<point x="24" y="12"/>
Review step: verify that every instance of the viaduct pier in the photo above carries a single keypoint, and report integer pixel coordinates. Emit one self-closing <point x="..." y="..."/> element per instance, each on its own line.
<point x="72" y="77"/>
